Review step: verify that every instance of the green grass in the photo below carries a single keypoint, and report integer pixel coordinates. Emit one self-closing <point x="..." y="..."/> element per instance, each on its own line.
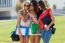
<point x="7" y="26"/>
<point x="59" y="36"/>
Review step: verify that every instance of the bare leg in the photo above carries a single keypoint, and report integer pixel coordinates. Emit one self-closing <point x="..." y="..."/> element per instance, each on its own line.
<point x="32" y="39"/>
<point x="37" y="38"/>
<point x="21" y="39"/>
<point x="26" y="39"/>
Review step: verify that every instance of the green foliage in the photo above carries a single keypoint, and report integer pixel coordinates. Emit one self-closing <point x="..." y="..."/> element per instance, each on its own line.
<point x="64" y="8"/>
<point x="54" y="6"/>
<point x="19" y="6"/>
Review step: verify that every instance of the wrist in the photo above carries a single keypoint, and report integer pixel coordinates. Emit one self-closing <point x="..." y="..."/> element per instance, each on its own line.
<point x="45" y="25"/>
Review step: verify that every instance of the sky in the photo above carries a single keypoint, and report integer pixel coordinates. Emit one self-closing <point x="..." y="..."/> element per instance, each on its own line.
<point x="59" y="3"/>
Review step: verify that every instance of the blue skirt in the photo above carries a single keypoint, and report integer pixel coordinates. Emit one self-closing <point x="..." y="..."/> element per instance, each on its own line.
<point x="24" y="30"/>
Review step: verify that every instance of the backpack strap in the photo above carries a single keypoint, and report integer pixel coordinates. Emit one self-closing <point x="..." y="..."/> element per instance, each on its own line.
<point x="45" y="13"/>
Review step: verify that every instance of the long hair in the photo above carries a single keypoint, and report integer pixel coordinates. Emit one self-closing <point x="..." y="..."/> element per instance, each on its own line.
<point x="34" y="5"/>
<point x="42" y="4"/>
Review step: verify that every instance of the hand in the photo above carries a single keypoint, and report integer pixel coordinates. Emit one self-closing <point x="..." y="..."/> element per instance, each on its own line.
<point x="47" y="27"/>
<point x="19" y="33"/>
<point x="38" y="31"/>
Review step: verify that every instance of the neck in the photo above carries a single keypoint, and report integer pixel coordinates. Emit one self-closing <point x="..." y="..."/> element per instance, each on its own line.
<point x="26" y="11"/>
<point x="32" y="11"/>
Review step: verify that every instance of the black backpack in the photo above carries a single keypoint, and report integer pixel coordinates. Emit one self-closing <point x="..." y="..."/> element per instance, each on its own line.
<point x="47" y="20"/>
<point x="14" y="36"/>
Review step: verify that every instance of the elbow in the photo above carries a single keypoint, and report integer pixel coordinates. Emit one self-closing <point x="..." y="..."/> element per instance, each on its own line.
<point x="53" y="21"/>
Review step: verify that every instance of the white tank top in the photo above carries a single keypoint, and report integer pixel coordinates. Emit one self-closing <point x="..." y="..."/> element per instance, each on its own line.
<point x="22" y="23"/>
<point x="27" y="23"/>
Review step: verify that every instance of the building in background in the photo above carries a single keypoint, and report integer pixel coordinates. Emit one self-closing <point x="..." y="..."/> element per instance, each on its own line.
<point x="7" y="9"/>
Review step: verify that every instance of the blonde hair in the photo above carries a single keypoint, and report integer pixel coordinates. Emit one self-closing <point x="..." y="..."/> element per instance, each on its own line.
<point x="26" y="2"/>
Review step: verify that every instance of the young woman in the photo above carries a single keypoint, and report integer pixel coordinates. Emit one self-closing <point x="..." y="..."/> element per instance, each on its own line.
<point x="23" y="24"/>
<point x="45" y="25"/>
<point x="33" y="16"/>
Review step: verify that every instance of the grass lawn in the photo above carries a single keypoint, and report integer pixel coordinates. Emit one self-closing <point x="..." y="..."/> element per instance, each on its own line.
<point x="7" y="26"/>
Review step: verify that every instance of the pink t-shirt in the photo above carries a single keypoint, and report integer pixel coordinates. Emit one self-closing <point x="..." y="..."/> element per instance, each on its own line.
<point x="42" y="16"/>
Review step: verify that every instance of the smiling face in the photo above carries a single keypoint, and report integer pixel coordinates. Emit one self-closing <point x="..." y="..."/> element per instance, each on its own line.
<point x="26" y="6"/>
<point x="31" y="6"/>
<point x="40" y="8"/>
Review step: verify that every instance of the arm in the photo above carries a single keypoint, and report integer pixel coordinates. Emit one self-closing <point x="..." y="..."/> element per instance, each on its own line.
<point x="52" y="17"/>
<point x="35" y="20"/>
<point x="18" y="22"/>
<point x="43" y="14"/>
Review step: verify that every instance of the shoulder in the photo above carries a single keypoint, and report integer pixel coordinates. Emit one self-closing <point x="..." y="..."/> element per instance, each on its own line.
<point x="19" y="13"/>
<point x="49" y="9"/>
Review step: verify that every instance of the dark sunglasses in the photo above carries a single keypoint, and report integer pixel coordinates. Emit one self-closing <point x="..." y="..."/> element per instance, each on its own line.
<point x="26" y="5"/>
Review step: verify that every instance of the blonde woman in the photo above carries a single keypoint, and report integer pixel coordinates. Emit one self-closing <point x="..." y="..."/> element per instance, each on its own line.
<point x="23" y="24"/>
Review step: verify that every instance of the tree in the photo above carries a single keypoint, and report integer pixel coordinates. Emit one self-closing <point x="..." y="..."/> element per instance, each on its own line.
<point x="54" y="6"/>
<point x="46" y="3"/>
<point x="18" y="6"/>
<point x="22" y="1"/>
<point x="64" y="6"/>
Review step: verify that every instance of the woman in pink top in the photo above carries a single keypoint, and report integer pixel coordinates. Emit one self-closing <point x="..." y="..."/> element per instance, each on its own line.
<point x="46" y="20"/>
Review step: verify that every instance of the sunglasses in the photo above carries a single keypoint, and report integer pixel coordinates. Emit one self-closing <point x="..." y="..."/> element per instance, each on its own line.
<point x="26" y="5"/>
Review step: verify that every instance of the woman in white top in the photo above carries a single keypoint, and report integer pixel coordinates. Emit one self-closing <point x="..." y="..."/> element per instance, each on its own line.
<point x="23" y="24"/>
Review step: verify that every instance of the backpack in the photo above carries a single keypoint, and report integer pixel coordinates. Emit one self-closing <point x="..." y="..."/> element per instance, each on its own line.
<point x="14" y="36"/>
<point x="47" y="20"/>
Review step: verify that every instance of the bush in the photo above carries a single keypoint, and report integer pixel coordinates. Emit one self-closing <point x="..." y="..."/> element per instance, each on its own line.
<point x="19" y="6"/>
